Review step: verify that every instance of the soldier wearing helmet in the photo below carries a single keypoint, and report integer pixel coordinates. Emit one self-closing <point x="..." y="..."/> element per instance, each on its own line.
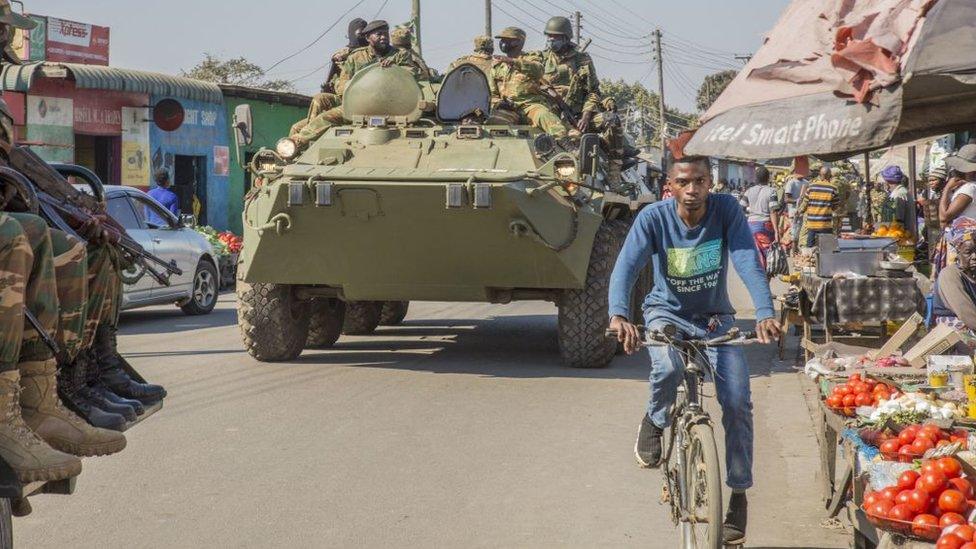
<point x="484" y="47"/>
<point x="402" y="38"/>
<point x="515" y="80"/>
<point x="571" y="72"/>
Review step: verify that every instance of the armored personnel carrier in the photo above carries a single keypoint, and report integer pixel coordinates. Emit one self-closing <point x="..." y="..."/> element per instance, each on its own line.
<point x="428" y="195"/>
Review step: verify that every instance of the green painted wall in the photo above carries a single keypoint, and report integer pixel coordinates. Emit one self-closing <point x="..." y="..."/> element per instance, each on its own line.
<point x="271" y="122"/>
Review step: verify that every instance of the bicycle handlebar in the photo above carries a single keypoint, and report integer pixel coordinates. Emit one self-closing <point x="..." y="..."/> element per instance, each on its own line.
<point x="656" y="338"/>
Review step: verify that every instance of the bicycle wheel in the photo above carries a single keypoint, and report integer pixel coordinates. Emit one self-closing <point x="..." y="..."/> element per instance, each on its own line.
<point x="703" y="489"/>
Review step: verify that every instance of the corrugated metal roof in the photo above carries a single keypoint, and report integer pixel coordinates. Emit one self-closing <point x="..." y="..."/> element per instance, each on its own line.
<point x="20" y="77"/>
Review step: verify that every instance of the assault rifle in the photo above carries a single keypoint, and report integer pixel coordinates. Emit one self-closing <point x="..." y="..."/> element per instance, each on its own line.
<point x="79" y="214"/>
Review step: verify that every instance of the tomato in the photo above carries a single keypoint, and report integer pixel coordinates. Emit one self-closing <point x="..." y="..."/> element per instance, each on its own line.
<point x="849" y="400"/>
<point x="880" y="508"/>
<point x="890" y="446"/>
<point x="925" y="525"/>
<point x="882" y="386"/>
<point x="841" y="390"/>
<point x="889" y="493"/>
<point x="863" y="399"/>
<point x="906" y="436"/>
<point x="901" y="512"/>
<point x="930" y="466"/>
<point x="949" y="467"/>
<point x="856" y="376"/>
<point x="931" y="431"/>
<point x="913" y="429"/>
<point x="908" y="479"/>
<point x="922" y="443"/>
<point x="834" y="401"/>
<point x="963" y="486"/>
<point x="933" y="482"/>
<point x="906" y="454"/>
<point x="964" y="531"/>
<point x="902" y="497"/>
<point x="948" y="519"/>
<point x="918" y="500"/>
<point x="870" y="498"/>
<point x="882" y="395"/>
<point x="968" y="545"/>
<point x="950" y="541"/>
<point x="952" y="501"/>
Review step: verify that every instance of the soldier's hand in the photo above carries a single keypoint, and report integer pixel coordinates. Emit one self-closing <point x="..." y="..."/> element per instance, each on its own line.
<point x="386" y="62"/>
<point x="584" y="121"/>
<point x="504" y="59"/>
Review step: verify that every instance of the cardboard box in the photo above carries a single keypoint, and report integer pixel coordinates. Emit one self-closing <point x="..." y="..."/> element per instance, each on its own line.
<point x="937" y="341"/>
<point x="899" y="338"/>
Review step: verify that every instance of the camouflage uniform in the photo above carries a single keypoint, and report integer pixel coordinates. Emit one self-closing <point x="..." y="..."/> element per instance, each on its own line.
<point x="519" y="84"/>
<point x="27" y="279"/>
<point x="358" y="60"/>
<point x="574" y="77"/>
<point x="481" y="57"/>
<point x="326" y="100"/>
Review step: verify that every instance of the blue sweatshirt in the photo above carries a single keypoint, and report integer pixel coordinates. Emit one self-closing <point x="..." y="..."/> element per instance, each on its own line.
<point x="690" y="265"/>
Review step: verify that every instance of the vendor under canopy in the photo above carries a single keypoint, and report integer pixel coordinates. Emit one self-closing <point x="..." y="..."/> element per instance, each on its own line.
<point x="954" y="299"/>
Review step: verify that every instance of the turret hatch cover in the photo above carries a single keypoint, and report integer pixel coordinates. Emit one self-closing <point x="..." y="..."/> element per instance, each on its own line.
<point x="463" y="91"/>
<point x="388" y="92"/>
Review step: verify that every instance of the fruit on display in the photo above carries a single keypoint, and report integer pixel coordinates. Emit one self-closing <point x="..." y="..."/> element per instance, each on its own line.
<point x="894" y="231"/>
<point x="233" y="242"/>
<point x="858" y="391"/>
<point x="927" y="502"/>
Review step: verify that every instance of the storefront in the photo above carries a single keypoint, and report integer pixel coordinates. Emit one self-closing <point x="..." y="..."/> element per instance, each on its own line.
<point x="103" y="118"/>
<point x="273" y="114"/>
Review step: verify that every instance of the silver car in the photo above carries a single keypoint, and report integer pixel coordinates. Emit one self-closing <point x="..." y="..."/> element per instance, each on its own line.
<point x="160" y="232"/>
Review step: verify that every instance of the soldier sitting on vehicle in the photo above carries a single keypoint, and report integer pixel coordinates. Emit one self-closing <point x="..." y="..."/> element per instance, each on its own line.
<point x="329" y="99"/>
<point x="484" y="47"/>
<point x="515" y="81"/>
<point x="402" y="39"/>
<point x="379" y="51"/>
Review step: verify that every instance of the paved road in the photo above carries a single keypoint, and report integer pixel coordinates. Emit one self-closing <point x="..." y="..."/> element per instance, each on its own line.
<point x="457" y="429"/>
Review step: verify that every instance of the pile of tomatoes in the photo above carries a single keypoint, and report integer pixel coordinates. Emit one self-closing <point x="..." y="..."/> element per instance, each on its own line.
<point x="859" y="391"/>
<point x="930" y="500"/>
<point x="914" y="440"/>
<point x="957" y="536"/>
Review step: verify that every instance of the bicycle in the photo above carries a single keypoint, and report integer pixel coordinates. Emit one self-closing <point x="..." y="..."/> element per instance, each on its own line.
<point x="692" y="474"/>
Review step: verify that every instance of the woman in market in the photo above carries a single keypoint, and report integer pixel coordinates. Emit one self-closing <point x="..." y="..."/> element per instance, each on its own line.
<point x="762" y="207"/>
<point x="954" y="295"/>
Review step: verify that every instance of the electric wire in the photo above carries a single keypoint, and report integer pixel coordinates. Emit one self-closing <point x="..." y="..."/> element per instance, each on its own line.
<point x="382" y="7"/>
<point x="319" y="37"/>
<point x="523" y="10"/>
<point x="524" y="24"/>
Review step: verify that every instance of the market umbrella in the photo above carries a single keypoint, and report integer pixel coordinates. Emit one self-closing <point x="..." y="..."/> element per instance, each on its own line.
<point x="838" y="77"/>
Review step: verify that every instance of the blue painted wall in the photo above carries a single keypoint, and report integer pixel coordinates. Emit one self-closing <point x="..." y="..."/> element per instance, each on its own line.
<point x="204" y="127"/>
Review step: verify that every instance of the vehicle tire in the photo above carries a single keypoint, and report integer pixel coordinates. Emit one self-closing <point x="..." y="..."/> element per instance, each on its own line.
<point x="274" y="322"/>
<point x="203" y="298"/>
<point x="325" y="323"/>
<point x="703" y="484"/>
<point x="362" y="317"/>
<point x="584" y="314"/>
<point x="6" y="525"/>
<point x="393" y="312"/>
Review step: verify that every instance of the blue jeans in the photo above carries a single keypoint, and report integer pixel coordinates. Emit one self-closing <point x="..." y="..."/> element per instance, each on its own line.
<point x="731" y="388"/>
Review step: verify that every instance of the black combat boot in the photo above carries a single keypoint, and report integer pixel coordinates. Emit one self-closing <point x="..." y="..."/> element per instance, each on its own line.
<point x="112" y="374"/>
<point x="71" y="387"/>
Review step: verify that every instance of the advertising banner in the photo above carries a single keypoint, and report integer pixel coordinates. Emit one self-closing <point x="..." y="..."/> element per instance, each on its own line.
<point x="74" y="42"/>
<point x="135" y="147"/>
<point x="50" y="127"/>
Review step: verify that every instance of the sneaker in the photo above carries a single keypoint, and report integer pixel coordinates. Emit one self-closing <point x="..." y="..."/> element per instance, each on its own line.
<point x="734" y="528"/>
<point x="647" y="449"/>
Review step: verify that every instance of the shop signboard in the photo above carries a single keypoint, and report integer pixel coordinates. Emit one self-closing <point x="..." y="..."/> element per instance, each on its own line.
<point x="50" y="127"/>
<point x="73" y="42"/>
<point x="135" y="146"/>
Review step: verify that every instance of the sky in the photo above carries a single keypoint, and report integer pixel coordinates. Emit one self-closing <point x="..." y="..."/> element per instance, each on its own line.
<point x="699" y="36"/>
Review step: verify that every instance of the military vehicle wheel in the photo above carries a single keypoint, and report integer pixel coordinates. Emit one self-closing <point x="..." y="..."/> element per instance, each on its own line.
<point x="362" y="317"/>
<point x="584" y="314"/>
<point x="393" y="312"/>
<point x="325" y="322"/>
<point x="274" y="323"/>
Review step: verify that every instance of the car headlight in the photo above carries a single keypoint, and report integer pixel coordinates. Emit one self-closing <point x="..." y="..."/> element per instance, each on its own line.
<point x="286" y="148"/>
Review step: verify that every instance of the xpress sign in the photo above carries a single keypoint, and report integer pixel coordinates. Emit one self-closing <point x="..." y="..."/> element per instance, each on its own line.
<point x="74" y="42"/>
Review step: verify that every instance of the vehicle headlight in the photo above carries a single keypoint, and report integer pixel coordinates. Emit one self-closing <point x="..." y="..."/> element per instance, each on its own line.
<point x="286" y="148"/>
<point x="566" y="169"/>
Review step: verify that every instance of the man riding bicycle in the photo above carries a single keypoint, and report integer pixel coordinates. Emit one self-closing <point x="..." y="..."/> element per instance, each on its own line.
<point x="688" y="239"/>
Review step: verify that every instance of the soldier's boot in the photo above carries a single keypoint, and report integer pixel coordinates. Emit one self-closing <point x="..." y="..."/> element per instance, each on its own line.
<point x="71" y="383"/>
<point x="95" y="392"/>
<point x="44" y="412"/>
<point x="112" y="374"/>
<point x="29" y="456"/>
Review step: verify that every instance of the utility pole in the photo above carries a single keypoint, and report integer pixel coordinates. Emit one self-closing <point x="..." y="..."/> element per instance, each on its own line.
<point x="487" y="17"/>
<point x="577" y="17"/>
<point x="416" y="24"/>
<point x="659" y="56"/>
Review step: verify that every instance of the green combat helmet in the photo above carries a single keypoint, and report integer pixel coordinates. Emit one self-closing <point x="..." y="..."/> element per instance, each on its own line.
<point x="484" y="44"/>
<point x="559" y="25"/>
